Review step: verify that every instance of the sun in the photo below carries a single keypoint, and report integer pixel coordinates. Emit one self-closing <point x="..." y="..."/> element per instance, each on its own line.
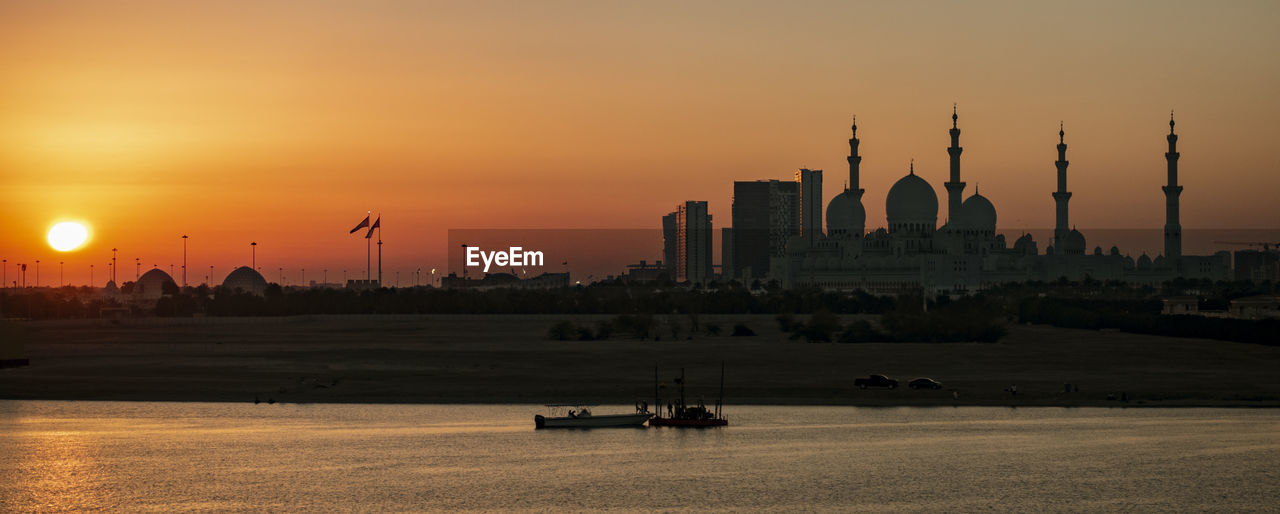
<point x="67" y="236"/>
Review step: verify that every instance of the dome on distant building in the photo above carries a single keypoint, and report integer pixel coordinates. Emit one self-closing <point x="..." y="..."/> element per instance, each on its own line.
<point x="111" y="292"/>
<point x="1075" y="243"/>
<point x="912" y="201"/>
<point x="1144" y="262"/>
<point x="977" y="213"/>
<point x="245" y="279"/>
<point x="1025" y="245"/>
<point x="846" y="215"/>
<point x="152" y="284"/>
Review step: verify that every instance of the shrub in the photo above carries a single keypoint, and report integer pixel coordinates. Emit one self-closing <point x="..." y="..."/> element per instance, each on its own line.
<point x="741" y="330"/>
<point x="561" y="331"/>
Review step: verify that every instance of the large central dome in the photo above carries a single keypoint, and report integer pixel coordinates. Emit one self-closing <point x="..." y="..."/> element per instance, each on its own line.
<point x="912" y="200"/>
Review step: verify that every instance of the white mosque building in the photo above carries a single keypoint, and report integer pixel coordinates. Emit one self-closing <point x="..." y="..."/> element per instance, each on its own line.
<point x="966" y="254"/>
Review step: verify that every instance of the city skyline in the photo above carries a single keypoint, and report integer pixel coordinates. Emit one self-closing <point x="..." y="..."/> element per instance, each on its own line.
<point x="616" y="132"/>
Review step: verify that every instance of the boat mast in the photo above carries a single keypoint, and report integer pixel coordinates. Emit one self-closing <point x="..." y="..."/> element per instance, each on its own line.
<point x="657" y="402"/>
<point x="683" y="405"/>
<point x="720" y="400"/>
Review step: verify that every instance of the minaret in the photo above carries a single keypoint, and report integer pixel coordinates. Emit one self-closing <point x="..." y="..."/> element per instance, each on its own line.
<point x="1172" y="227"/>
<point x="955" y="188"/>
<point x="855" y="161"/>
<point x="1062" y="227"/>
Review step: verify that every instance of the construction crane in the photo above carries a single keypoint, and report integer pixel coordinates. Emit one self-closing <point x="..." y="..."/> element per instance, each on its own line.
<point x="1266" y="247"/>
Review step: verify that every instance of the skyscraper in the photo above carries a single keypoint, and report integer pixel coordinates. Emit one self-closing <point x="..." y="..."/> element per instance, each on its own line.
<point x="669" y="244"/>
<point x="693" y="242"/>
<point x="810" y="205"/>
<point x="765" y="214"/>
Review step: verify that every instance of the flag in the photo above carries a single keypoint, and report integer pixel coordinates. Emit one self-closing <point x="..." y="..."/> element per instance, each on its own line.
<point x="376" y="223"/>
<point x="362" y="224"/>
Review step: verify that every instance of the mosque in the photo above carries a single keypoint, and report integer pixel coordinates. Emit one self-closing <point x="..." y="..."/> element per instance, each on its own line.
<point x="966" y="253"/>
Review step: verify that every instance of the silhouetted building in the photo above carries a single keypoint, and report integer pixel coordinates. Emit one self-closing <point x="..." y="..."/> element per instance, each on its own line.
<point x="245" y="280"/>
<point x="153" y="284"/>
<point x="505" y="280"/>
<point x="726" y="253"/>
<point x="964" y="254"/>
<point x="810" y="205"/>
<point x="766" y="213"/>
<point x="1257" y="265"/>
<point x="1256" y="307"/>
<point x="669" y="243"/>
<point x="644" y="272"/>
<point x="693" y="242"/>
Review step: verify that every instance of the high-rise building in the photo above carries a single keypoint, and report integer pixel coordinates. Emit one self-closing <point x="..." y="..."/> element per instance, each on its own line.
<point x="693" y="242"/>
<point x="669" y="243"/>
<point x="726" y="253"/>
<point x="765" y="214"/>
<point x="810" y="205"/>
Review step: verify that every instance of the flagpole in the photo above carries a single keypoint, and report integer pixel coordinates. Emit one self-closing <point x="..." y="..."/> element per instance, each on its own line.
<point x="367" y="257"/>
<point x="379" y="249"/>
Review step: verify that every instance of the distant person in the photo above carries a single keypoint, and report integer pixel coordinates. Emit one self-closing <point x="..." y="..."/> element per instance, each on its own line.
<point x="1013" y="389"/>
<point x="955" y="395"/>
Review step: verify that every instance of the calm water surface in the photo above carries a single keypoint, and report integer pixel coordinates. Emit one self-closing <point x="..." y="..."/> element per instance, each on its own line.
<point x="220" y="457"/>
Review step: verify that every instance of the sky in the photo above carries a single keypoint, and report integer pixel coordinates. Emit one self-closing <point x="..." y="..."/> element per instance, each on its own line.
<point x="283" y="123"/>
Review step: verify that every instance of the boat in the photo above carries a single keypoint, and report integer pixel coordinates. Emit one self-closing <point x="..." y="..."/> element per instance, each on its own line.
<point x="681" y="414"/>
<point x="580" y="416"/>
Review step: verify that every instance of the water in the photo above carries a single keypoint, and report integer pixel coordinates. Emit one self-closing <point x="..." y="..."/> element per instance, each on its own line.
<point x="227" y="457"/>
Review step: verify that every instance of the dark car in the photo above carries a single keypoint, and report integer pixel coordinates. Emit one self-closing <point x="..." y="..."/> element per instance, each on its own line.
<point x="924" y="383"/>
<point x="876" y="381"/>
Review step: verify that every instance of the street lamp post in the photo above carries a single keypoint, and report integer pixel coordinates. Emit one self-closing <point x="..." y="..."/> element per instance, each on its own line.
<point x="4" y="281"/>
<point x="90" y="275"/>
<point x="114" y="266"/>
<point x="61" y="268"/>
<point x="37" y="272"/>
<point x="137" y="268"/>
<point x="210" y="279"/>
<point x="254" y="263"/>
<point x="303" y="281"/>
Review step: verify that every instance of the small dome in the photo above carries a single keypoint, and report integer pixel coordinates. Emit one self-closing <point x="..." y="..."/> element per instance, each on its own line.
<point x="978" y="213"/>
<point x="912" y="200"/>
<point x="152" y="284"/>
<point x="245" y="279"/>
<point x="1075" y="244"/>
<point x="1025" y="245"/>
<point x="845" y="214"/>
<point x="1144" y="262"/>
<point x="1115" y="251"/>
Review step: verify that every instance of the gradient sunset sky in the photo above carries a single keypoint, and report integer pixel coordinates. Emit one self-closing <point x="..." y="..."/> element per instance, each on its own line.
<point x="283" y="122"/>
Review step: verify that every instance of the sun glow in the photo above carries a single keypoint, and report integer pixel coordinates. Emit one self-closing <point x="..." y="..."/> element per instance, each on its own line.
<point x="67" y="236"/>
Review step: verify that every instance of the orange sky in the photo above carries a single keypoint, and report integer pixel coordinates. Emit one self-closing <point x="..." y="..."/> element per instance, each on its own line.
<point x="282" y="122"/>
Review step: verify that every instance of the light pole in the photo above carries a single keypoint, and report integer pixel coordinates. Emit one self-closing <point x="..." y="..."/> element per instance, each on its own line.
<point x="254" y="262"/>
<point x="37" y="272"/>
<point x="326" y="276"/>
<point x="61" y="269"/>
<point x="114" y="266"/>
<point x="90" y="275"/>
<point x="210" y="279"/>
<point x="417" y="279"/>
<point x="303" y="281"/>
<point x="184" y="260"/>
<point x="4" y="281"/>
<point x="282" y="275"/>
<point x="137" y="268"/>
<point x="24" y="276"/>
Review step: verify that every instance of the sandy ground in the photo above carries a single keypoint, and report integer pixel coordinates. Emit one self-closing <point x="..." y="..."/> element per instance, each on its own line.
<point x="507" y="359"/>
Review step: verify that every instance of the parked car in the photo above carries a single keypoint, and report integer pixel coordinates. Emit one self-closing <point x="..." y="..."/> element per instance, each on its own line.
<point x="876" y="381"/>
<point x="924" y="383"/>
